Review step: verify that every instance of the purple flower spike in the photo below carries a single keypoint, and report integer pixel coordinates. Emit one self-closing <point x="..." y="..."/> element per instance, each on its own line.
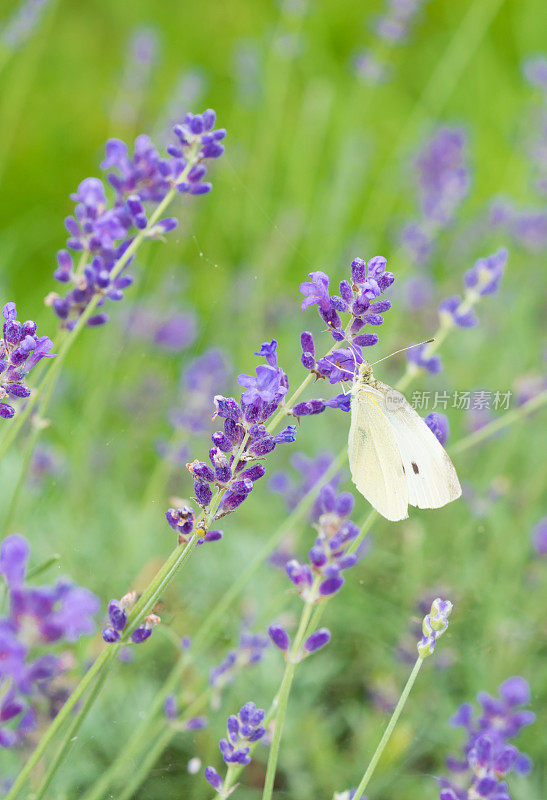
<point x="103" y="231"/>
<point x="438" y="424"/>
<point x="317" y="640"/>
<point x="279" y="637"/>
<point x="329" y="555"/>
<point x="196" y="723"/>
<point x="419" y="356"/>
<point x="243" y="729"/>
<point x="539" y="537"/>
<point x="485" y="276"/>
<point x="170" y="707"/>
<point x="14" y="555"/>
<point x="20" y="351"/>
<point x="487" y="756"/>
<point x="110" y="635"/>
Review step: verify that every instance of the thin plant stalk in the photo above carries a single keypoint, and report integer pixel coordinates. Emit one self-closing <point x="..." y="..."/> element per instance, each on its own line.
<point x="284" y="692"/>
<point x="389" y="730"/>
<point x="499" y="424"/>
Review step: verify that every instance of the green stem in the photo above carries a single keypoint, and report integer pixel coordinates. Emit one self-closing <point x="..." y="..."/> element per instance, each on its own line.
<point x="231" y="775"/>
<point x="158" y="743"/>
<point x="27" y="457"/>
<point x="500" y="423"/>
<point x="284" y="692"/>
<point x="43" y="566"/>
<point x="388" y="731"/>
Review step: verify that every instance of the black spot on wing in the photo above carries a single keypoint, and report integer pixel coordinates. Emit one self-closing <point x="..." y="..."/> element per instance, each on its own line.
<point x="404" y="470"/>
<point x="415" y="468"/>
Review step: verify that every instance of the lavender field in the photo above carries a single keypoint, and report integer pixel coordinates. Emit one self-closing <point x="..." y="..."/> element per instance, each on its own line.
<point x="236" y="559"/>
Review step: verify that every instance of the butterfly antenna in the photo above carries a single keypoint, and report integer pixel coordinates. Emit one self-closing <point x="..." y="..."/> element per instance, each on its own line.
<point x="402" y="350"/>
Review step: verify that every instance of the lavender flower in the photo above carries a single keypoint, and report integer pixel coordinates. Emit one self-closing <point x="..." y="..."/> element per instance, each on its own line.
<point x="316" y="640"/>
<point x="391" y="27"/>
<point x="199" y="381"/>
<point x="182" y="520"/>
<point x="539" y="537"/>
<point x="443" y="175"/>
<point x="487" y="755"/>
<point x="118" y="611"/>
<point x="328" y="558"/>
<point x="234" y="466"/>
<point x="243" y="730"/>
<point x="482" y="279"/>
<point x="20" y="351"/>
<point x="38" y="617"/>
<point x="172" y="332"/>
<point x="360" y="299"/>
<point x="141" y="56"/>
<point x="394" y="24"/>
<point x="443" y="182"/>
<point x="22" y="24"/>
<point x="406" y="647"/>
<point x="310" y="470"/>
<point x="526" y="226"/>
<point x="434" y="625"/>
<point x="102" y="233"/>
<point x="322" y="576"/>
<point x="369" y="68"/>
<point x="250" y="651"/>
<point x="438" y="423"/>
<point x="535" y="70"/>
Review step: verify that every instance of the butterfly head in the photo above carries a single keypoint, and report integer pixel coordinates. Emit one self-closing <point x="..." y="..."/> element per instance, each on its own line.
<point x="365" y="372"/>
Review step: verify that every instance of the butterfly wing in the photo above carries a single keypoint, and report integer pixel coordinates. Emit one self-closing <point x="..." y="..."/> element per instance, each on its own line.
<point x="431" y="478"/>
<point x="374" y="456"/>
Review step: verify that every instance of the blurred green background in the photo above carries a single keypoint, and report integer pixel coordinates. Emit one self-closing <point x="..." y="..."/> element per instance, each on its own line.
<point x="318" y="169"/>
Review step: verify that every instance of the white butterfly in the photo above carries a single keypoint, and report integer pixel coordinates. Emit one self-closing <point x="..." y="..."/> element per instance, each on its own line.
<point x="395" y="459"/>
